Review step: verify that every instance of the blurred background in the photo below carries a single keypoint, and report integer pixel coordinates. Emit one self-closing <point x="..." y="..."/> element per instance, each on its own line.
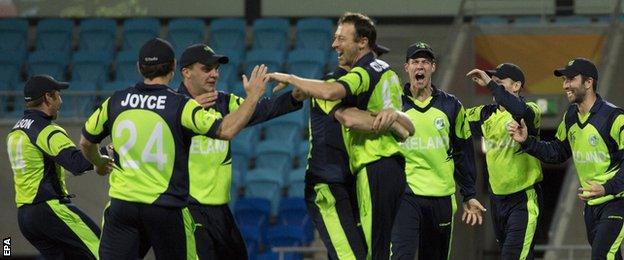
<point x="94" y="45"/>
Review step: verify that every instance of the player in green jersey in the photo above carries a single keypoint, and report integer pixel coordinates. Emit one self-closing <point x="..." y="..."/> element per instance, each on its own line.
<point x="590" y="133"/>
<point x="438" y="155"/>
<point x="375" y="157"/>
<point x="514" y="176"/>
<point x="40" y="152"/>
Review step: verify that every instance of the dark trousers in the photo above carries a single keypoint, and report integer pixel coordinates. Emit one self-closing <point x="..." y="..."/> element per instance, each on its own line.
<point x="379" y="187"/>
<point x="332" y="207"/>
<point x="515" y="217"/>
<point x="59" y="230"/>
<point x="216" y="233"/>
<point x="423" y="223"/>
<point x="131" y="228"/>
<point x="603" y="223"/>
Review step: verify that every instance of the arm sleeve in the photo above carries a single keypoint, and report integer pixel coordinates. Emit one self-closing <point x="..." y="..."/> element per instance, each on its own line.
<point x="269" y="108"/>
<point x="615" y="185"/>
<point x="556" y="151"/>
<point x="198" y="120"/>
<point x="473" y="119"/>
<point x="516" y="106"/>
<point x="94" y="129"/>
<point x="53" y="140"/>
<point x="355" y="82"/>
<point x="463" y="156"/>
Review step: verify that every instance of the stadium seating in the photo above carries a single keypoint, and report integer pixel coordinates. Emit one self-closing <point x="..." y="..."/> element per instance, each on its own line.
<point x="252" y="211"/>
<point x="91" y="66"/>
<point x="52" y="63"/>
<point x="126" y="66"/>
<point x="307" y="63"/>
<point x="184" y="32"/>
<point x="296" y="182"/>
<point x="270" y="34"/>
<point x="264" y="183"/>
<point x="228" y="33"/>
<point x="97" y="34"/>
<point x="10" y="69"/>
<point x="13" y="33"/>
<point x="54" y="35"/>
<point x="137" y="31"/>
<point x="314" y="34"/>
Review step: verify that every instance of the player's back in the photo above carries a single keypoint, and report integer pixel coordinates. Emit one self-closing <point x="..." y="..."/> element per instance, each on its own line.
<point x="145" y="123"/>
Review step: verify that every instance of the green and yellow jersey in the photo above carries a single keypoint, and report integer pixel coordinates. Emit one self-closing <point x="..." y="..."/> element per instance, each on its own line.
<point x="440" y="151"/>
<point x="39" y="153"/>
<point x="151" y="128"/>
<point x="371" y="85"/>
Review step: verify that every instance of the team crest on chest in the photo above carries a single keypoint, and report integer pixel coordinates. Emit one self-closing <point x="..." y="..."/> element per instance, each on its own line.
<point x="593" y="140"/>
<point x="439" y="123"/>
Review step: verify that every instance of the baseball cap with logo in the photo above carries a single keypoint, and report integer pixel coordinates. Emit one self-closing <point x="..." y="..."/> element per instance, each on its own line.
<point x="203" y="54"/>
<point x="38" y="85"/>
<point x="156" y="51"/>
<point x="507" y="70"/>
<point x="419" y="50"/>
<point x="578" y="66"/>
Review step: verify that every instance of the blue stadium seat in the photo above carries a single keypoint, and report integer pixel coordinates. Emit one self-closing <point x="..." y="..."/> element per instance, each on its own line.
<point x="264" y="183"/>
<point x="572" y="20"/>
<point x="137" y="31"/>
<point x="271" y="34"/>
<point x="314" y="34"/>
<point x="245" y="141"/>
<point x="12" y="106"/>
<point x="491" y="20"/>
<point x="332" y="61"/>
<point x="117" y="85"/>
<point x="303" y="150"/>
<point x="253" y="238"/>
<point x="54" y="34"/>
<point x="252" y="211"/>
<point x="294" y="212"/>
<point x="185" y="31"/>
<point x="529" y="20"/>
<point x="296" y="182"/>
<point x="97" y="34"/>
<point x="307" y="63"/>
<point x="272" y="58"/>
<point x="13" y="33"/>
<point x="126" y="66"/>
<point x="91" y="66"/>
<point x="228" y="33"/>
<point x="236" y="87"/>
<point x="78" y="106"/>
<point x="297" y="118"/>
<point x="280" y="236"/>
<point x="52" y="63"/>
<point x="10" y="69"/>
<point x="230" y="72"/>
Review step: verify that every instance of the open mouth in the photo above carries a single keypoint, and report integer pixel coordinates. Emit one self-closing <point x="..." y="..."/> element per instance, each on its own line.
<point x="419" y="77"/>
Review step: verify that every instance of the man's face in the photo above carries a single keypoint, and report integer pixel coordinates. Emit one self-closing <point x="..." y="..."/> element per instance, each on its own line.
<point x="575" y="88"/>
<point x="202" y="78"/>
<point x="345" y="45"/>
<point x="54" y="101"/>
<point x="420" y="71"/>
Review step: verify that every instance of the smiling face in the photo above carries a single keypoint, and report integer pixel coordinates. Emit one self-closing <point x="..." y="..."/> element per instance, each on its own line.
<point x="200" y="77"/>
<point x="420" y="71"/>
<point x="346" y="45"/>
<point x="576" y="89"/>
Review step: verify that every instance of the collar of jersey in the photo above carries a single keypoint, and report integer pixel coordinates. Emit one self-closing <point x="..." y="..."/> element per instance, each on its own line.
<point x="37" y="113"/>
<point x="411" y="100"/>
<point x="365" y="60"/>
<point x="150" y="87"/>
<point x="183" y="90"/>
<point x="594" y="109"/>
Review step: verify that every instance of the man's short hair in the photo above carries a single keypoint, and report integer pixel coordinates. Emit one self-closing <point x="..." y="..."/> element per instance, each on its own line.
<point x="364" y="27"/>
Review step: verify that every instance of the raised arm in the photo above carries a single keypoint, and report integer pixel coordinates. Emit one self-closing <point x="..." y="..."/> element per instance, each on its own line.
<point x="327" y="90"/>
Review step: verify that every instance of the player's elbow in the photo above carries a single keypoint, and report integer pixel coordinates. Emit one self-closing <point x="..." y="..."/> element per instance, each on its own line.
<point x="84" y="144"/>
<point x="225" y="134"/>
<point x="334" y="92"/>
